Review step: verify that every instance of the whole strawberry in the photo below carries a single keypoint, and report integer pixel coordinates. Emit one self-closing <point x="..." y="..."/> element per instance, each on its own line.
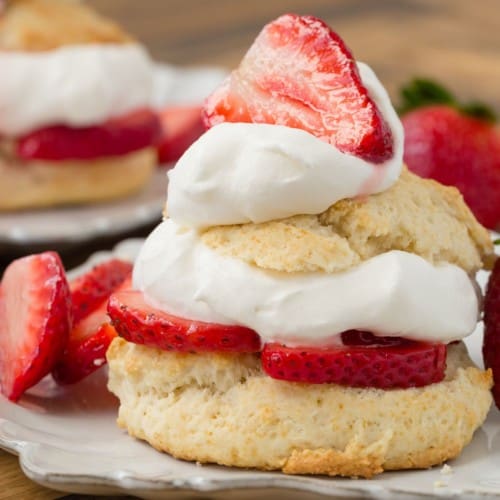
<point x="491" y="342"/>
<point x="457" y="145"/>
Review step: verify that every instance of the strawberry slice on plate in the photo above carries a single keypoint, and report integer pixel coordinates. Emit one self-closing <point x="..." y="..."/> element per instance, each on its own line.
<point x="35" y="320"/>
<point x="89" y="290"/>
<point x="491" y="341"/>
<point x="363" y="361"/>
<point x="118" y="136"/>
<point x="182" y="125"/>
<point x="86" y="349"/>
<point x="138" y="322"/>
<point x="92" y="333"/>
<point x="300" y="74"/>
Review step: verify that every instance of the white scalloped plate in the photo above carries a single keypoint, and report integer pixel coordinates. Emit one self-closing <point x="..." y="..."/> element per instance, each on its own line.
<point x="85" y="222"/>
<point x="66" y="439"/>
<point x="172" y="86"/>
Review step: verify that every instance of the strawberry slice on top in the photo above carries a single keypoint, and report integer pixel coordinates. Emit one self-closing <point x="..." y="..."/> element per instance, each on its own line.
<point x="300" y="74"/>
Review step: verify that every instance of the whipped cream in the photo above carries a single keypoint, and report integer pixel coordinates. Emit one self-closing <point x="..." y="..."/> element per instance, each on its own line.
<point x="393" y="294"/>
<point x="78" y="85"/>
<point x="247" y="172"/>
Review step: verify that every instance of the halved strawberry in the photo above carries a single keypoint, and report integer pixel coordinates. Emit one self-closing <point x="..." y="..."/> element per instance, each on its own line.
<point x="138" y="322"/>
<point x="118" y="136"/>
<point x="92" y="288"/>
<point x="300" y="74"/>
<point x="491" y="342"/>
<point x="35" y="319"/>
<point x="383" y="365"/>
<point x="182" y="125"/>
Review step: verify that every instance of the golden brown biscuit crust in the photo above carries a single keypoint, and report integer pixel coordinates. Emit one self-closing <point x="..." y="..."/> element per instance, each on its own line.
<point x="38" y="25"/>
<point x="415" y="215"/>
<point x="224" y="409"/>
<point x="36" y="184"/>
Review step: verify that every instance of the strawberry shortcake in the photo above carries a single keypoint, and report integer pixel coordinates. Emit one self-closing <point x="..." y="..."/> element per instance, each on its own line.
<point x="303" y="304"/>
<point x="75" y="122"/>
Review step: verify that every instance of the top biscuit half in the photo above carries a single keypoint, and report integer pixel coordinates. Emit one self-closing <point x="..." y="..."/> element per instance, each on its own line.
<point x="415" y="215"/>
<point x="40" y="25"/>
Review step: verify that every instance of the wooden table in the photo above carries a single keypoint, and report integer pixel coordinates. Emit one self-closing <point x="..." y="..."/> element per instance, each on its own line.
<point x="454" y="41"/>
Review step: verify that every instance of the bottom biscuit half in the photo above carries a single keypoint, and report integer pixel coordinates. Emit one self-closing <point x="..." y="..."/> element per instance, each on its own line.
<point x="221" y="408"/>
<point x="37" y="184"/>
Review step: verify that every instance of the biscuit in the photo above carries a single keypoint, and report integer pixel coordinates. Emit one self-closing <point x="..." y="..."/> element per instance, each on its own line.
<point x="221" y="408"/>
<point x="38" y="25"/>
<point x="35" y="184"/>
<point x="415" y="215"/>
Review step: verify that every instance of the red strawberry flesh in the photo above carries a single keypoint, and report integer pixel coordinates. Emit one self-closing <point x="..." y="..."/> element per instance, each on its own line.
<point x="116" y="137"/>
<point x="86" y="349"/>
<point x="182" y="125"/>
<point x="300" y="74"/>
<point x="35" y="319"/>
<point x="491" y="342"/>
<point x="91" y="335"/>
<point x="89" y="290"/>
<point x="457" y="150"/>
<point x="403" y="365"/>
<point x="137" y="322"/>
<point x="363" y="338"/>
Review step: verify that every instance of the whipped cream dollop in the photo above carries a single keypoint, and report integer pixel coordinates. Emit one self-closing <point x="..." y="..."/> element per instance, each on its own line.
<point x="78" y="85"/>
<point x="248" y="172"/>
<point x="393" y="294"/>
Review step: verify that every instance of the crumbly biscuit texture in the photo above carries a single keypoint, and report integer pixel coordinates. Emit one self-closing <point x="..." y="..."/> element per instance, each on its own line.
<point x="38" y="25"/>
<point x="415" y="215"/>
<point x="36" y="184"/>
<point x="223" y="409"/>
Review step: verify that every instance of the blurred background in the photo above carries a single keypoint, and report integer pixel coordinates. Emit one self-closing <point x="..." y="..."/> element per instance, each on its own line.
<point x="455" y="41"/>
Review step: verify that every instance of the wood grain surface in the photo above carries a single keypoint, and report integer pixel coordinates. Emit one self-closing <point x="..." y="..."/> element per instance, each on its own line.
<point x="454" y="41"/>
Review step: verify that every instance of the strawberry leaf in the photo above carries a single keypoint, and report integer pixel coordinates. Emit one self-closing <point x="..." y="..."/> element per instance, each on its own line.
<point x="479" y="110"/>
<point x="421" y="92"/>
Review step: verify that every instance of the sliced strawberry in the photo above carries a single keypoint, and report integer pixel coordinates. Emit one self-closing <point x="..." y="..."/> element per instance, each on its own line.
<point x="117" y="136"/>
<point x="138" y="322"/>
<point x="383" y="365"/>
<point x="91" y="335"/>
<point x="86" y="349"/>
<point x="92" y="288"/>
<point x="35" y="319"/>
<point x="182" y="125"/>
<point x="491" y="342"/>
<point x="300" y="74"/>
